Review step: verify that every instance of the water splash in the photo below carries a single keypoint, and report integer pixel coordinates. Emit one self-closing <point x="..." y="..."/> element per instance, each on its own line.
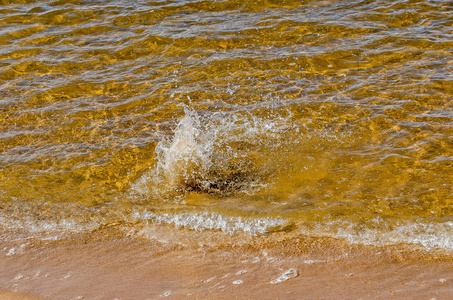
<point x="216" y="153"/>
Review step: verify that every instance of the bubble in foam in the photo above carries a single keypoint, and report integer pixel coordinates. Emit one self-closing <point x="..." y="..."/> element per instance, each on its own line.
<point x="18" y="277"/>
<point x="11" y="251"/>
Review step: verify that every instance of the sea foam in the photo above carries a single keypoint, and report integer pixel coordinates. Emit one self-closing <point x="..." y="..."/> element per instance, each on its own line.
<point x="214" y="221"/>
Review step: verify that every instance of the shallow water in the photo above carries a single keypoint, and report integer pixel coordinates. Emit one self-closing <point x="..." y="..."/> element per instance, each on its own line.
<point x="326" y="118"/>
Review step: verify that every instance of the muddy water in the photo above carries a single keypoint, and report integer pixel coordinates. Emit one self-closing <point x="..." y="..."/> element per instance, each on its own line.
<point x="321" y="118"/>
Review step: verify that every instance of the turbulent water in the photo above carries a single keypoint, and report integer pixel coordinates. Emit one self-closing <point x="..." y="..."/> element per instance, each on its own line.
<point x="321" y="118"/>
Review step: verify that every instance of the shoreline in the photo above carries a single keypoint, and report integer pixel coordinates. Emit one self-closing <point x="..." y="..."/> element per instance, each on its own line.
<point x="10" y="295"/>
<point x="108" y="264"/>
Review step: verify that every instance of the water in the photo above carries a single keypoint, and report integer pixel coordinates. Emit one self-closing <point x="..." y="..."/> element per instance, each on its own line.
<point x="322" y="118"/>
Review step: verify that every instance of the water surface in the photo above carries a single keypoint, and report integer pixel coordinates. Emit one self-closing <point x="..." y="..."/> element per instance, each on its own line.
<point x="326" y="118"/>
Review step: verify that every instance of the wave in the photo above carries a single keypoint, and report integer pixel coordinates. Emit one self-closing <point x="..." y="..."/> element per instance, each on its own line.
<point x="216" y="222"/>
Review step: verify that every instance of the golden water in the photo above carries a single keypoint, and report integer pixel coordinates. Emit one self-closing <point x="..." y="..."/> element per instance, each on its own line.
<point x="328" y="118"/>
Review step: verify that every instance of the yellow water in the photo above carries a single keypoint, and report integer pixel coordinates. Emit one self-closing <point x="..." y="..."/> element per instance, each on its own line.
<point x="327" y="118"/>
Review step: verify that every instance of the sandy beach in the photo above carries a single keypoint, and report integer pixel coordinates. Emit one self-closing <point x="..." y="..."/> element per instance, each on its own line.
<point x="110" y="265"/>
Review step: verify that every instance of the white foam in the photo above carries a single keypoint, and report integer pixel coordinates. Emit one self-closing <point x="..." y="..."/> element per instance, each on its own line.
<point x="11" y="251"/>
<point x="47" y="229"/>
<point x="428" y="235"/>
<point x="63" y="225"/>
<point x="213" y="221"/>
<point x="291" y="273"/>
<point x="18" y="277"/>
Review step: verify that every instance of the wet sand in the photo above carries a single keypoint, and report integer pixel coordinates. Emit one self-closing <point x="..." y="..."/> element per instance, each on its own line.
<point x="9" y="295"/>
<point x="111" y="265"/>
